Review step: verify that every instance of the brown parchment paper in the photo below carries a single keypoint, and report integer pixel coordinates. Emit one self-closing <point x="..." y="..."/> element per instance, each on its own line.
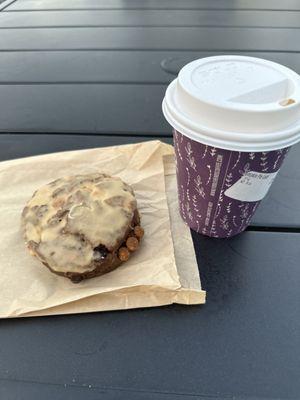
<point x="150" y="278"/>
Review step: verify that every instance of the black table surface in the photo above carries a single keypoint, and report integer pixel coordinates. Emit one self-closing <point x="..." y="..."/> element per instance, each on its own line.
<point x="87" y="73"/>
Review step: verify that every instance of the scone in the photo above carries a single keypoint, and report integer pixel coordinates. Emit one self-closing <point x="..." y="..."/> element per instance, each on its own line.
<point x="82" y="226"/>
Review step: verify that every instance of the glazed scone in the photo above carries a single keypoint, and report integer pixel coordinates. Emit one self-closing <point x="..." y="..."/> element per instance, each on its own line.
<point x="82" y="226"/>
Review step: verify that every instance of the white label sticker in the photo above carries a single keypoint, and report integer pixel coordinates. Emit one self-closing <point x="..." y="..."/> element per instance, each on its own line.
<point x="253" y="186"/>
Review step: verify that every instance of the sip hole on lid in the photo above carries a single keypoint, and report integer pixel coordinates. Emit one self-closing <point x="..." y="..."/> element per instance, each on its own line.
<point x="287" y="102"/>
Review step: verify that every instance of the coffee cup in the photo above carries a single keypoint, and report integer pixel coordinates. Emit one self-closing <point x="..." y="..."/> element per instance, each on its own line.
<point x="234" y="120"/>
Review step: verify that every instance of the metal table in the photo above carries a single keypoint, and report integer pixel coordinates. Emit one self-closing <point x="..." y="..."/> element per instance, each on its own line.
<point x="87" y="73"/>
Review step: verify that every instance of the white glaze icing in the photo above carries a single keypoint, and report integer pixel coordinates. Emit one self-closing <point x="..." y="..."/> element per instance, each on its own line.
<point x="66" y="219"/>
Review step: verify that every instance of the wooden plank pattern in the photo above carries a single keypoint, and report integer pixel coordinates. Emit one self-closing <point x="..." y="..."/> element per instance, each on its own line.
<point x="157" y="4"/>
<point x="174" y="62"/>
<point x="87" y="66"/>
<point x="232" y="39"/>
<point x="109" y="66"/>
<point x="26" y="145"/>
<point x="187" y="18"/>
<point x="83" y="108"/>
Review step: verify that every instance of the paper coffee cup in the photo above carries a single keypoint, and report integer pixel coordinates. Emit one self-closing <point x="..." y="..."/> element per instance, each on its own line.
<point x="234" y="120"/>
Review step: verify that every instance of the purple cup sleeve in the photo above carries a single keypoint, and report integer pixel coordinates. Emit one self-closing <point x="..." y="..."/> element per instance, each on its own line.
<point x="219" y="190"/>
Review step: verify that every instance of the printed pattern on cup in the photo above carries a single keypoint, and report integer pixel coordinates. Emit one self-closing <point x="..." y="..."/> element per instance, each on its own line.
<point x="206" y="174"/>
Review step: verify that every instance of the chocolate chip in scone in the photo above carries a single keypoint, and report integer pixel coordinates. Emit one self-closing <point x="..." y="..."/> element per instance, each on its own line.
<point x="100" y="252"/>
<point x="75" y="278"/>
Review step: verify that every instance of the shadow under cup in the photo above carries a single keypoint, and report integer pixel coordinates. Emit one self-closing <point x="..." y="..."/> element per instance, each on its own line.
<point x="219" y="190"/>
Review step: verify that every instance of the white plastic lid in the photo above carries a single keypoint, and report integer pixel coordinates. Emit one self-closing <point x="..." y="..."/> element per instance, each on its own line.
<point x="236" y="103"/>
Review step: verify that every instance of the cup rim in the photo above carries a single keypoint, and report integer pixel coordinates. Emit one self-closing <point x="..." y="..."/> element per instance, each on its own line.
<point x="243" y="142"/>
